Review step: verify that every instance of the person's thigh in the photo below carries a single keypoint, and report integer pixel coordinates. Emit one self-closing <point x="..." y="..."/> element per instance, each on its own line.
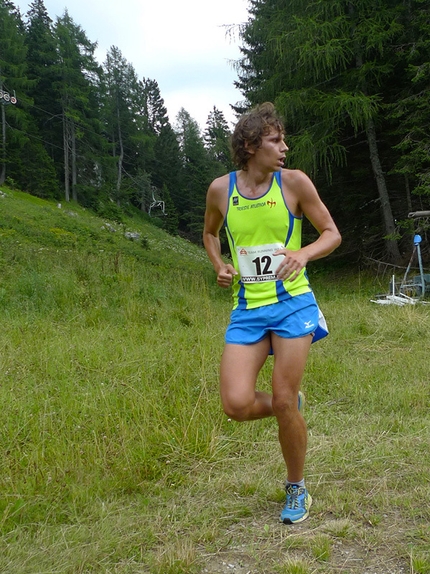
<point x="240" y="365"/>
<point x="290" y="356"/>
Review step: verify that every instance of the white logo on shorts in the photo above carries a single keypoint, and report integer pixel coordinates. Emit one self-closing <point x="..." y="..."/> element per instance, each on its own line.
<point x="309" y="325"/>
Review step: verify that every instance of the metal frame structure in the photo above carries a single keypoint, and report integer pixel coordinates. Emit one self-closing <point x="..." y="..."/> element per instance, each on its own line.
<point x="412" y="289"/>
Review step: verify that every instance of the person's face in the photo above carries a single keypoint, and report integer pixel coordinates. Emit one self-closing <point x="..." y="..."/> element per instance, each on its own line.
<point x="271" y="153"/>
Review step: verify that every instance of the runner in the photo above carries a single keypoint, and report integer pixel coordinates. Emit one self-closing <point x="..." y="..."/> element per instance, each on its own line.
<point x="274" y="308"/>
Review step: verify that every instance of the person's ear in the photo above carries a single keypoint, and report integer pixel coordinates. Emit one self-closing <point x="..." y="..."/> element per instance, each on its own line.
<point x="249" y="147"/>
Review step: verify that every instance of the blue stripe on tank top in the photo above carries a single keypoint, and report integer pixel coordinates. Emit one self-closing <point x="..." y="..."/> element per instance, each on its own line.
<point x="291" y="218"/>
<point x="227" y="230"/>
<point x="241" y="300"/>
<point x="281" y="292"/>
<point x="290" y="227"/>
<point x="231" y="183"/>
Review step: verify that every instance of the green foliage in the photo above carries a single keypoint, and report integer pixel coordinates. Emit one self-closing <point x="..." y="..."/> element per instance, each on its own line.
<point x="13" y="80"/>
<point x="170" y="220"/>
<point x="334" y="69"/>
<point x="195" y="177"/>
<point x="35" y="170"/>
<point x="79" y="75"/>
<point x="110" y="210"/>
<point x="411" y="111"/>
<point x="217" y="141"/>
<point x="343" y="74"/>
<point x="44" y="72"/>
<point x="116" y="128"/>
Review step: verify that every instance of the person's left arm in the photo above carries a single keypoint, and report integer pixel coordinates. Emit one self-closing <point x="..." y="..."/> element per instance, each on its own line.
<point x="310" y="204"/>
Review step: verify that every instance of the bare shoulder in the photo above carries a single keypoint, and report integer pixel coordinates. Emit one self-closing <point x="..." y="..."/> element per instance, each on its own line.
<point x="299" y="191"/>
<point x="218" y="191"/>
<point x="220" y="184"/>
<point x="216" y="202"/>
<point x="297" y="182"/>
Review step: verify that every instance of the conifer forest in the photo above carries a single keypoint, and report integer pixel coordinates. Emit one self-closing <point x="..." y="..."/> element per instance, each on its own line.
<point x="351" y="80"/>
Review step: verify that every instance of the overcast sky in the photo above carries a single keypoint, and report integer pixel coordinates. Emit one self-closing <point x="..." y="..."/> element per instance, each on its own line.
<point x="182" y="44"/>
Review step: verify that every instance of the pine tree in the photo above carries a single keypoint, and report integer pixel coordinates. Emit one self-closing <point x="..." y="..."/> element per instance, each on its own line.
<point x="217" y="141"/>
<point x="166" y="165"/>
<point x="24" y="155"/>
<point x="119" y="110"/>
<point x="12" y="78"/>
<point x="79" y="77"/>
<point x="42" y="60"/>
<point x="411" y="110"/>
<point x="155" y="110"/>
<point x="196" y="178"/>
<point x="167" y="171"/>
<point x="170" y="220"/>
<point x="326" y="63"/>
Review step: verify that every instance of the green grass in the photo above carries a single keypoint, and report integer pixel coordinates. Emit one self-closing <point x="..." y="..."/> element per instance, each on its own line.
<point x="116" y="457"/>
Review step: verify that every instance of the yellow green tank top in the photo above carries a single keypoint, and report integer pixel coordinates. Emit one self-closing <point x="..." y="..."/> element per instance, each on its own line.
<point x="256" y="228"/>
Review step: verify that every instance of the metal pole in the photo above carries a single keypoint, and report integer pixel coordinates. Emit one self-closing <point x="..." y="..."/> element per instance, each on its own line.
<point x="407" y="270"/>
<point x="417" y="241"/>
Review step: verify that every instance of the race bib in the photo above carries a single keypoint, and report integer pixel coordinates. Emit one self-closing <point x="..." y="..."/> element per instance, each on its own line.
<point x="257" y="264"/>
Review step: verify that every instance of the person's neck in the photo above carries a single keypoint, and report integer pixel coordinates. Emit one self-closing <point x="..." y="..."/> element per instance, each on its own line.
<point x="254" y="181"/>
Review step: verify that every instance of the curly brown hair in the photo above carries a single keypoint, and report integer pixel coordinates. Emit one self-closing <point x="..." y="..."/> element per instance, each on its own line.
<point x="249" y="130"/>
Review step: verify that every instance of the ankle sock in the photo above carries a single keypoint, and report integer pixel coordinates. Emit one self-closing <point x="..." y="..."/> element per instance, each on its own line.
<point x="298" y="483"/>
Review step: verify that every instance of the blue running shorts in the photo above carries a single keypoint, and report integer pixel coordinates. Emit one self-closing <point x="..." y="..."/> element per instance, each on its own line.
<point x="295" y="317"/>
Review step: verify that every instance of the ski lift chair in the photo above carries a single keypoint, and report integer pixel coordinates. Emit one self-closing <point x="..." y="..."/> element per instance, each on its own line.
<point x="158" y="205"/>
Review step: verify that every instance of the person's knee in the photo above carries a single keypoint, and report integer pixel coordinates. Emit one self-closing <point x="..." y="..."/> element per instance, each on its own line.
<point x="284" y="404"/>
<point x="237" y="410"/>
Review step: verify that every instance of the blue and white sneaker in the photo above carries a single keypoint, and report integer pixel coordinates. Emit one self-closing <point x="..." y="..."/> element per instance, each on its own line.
<point x="301" y="402"/>
<point x="297" y="506"/>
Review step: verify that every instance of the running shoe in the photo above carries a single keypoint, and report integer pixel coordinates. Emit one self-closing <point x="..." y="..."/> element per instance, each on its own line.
<point x="301" y="402"/>
<point x="297" y="506"/>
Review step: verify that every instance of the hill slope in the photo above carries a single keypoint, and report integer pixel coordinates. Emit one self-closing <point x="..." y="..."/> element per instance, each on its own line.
<point x="115" y="455"/>
<point x="51" y="254"/>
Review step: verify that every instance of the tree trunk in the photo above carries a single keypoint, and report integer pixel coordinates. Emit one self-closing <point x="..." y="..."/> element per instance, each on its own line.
<point x="391" y="245"/>
<point x="66" y="159"/>
<point x="408" y="193"/>
<point x="390" y="228"/>
<point x="120" y="160"/>
<point x="74" y="168"/>
<point x="3" y="160"/>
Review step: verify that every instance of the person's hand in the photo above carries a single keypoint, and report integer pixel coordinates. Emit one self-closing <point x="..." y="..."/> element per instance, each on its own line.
<point x="291" y="265"/>
<point x="225" y="275"/>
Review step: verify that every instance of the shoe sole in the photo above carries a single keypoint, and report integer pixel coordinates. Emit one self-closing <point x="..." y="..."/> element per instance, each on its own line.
<point x="301" y="519"/>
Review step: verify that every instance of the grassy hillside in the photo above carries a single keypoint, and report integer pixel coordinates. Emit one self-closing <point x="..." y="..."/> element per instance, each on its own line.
<point x="116" y="457"/>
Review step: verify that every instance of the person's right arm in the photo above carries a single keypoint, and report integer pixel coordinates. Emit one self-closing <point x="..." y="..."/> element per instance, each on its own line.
<point x="216" y="202"/>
